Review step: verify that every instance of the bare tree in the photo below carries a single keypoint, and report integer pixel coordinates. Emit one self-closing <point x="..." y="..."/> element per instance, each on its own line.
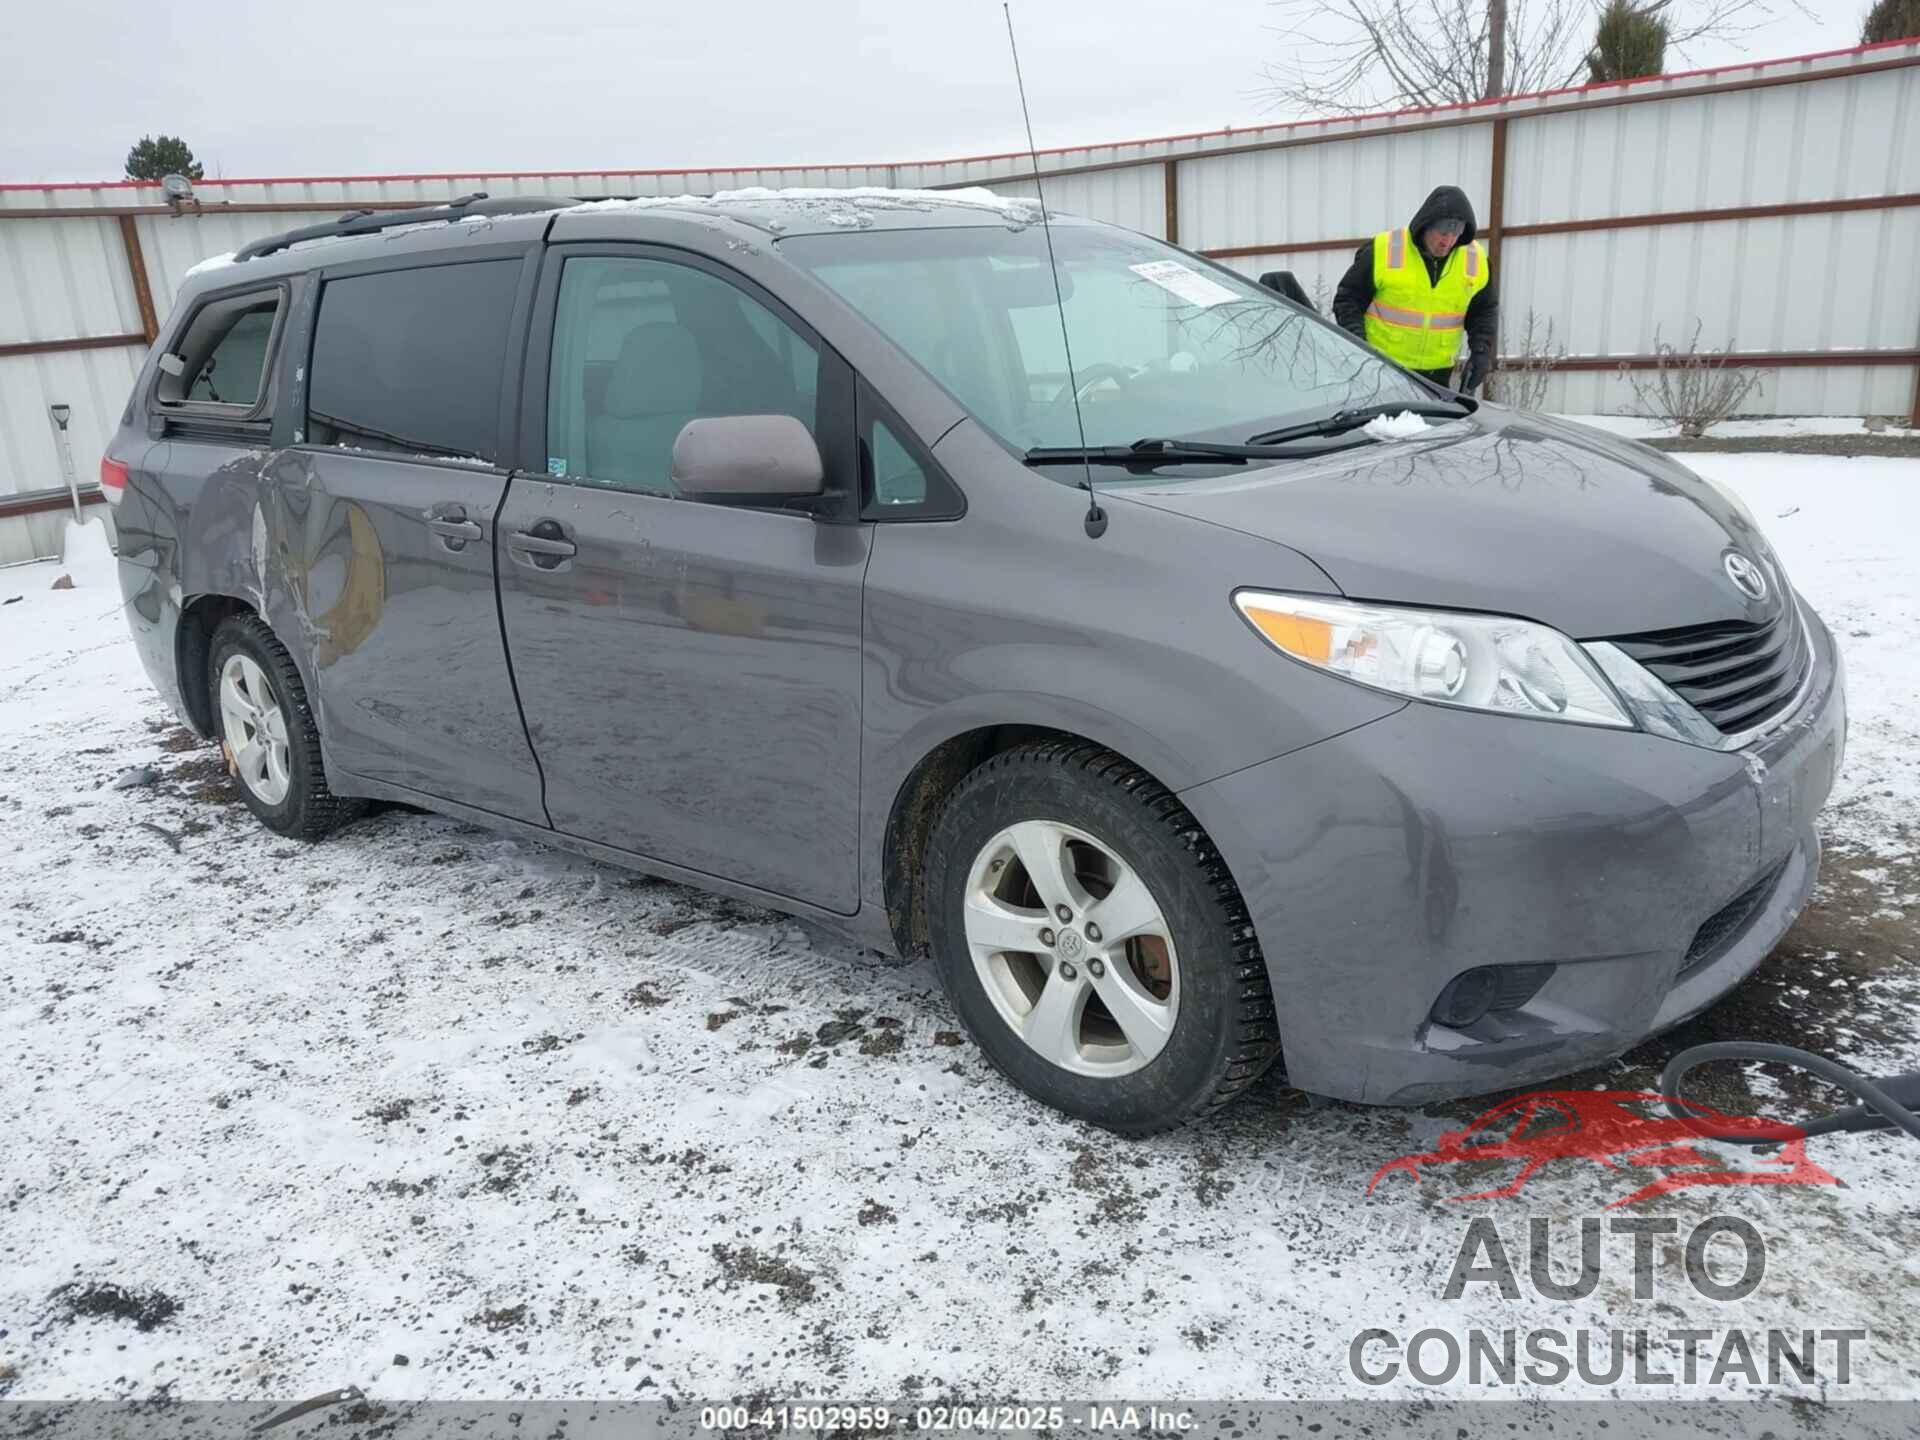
<point x="1521" y="376"/>
<point x="1691" y="388"/>
<point x="1348" y="56"/>
<point x="1496" y="47"/>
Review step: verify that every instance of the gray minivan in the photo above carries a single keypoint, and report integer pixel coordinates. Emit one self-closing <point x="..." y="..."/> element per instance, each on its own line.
<point x="1188" y="717"/>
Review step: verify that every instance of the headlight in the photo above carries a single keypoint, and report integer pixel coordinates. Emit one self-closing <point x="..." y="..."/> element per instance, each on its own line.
<point x="1478" y="662"/>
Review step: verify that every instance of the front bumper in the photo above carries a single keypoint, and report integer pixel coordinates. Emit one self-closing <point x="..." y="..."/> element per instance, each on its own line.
<point x="1381" y="863"/>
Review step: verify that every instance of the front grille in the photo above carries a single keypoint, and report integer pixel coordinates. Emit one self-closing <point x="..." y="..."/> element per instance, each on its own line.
<point x="1727" y="924"/>
<point x="1737" y="673"/>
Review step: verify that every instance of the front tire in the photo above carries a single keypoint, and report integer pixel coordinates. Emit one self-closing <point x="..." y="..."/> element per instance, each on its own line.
<point x="1093" y="942"/>
<point x="266" y="731"/>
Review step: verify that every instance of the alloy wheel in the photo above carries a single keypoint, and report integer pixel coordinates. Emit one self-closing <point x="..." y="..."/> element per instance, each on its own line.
<point x="254" y="729"/>
<point x="1072" y="948"/>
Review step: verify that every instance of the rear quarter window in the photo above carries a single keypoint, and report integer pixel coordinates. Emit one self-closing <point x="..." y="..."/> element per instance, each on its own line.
<point x="217" y="367"/>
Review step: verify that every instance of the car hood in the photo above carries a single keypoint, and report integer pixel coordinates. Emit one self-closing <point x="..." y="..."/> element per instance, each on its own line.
<point x="1501" y="512"/>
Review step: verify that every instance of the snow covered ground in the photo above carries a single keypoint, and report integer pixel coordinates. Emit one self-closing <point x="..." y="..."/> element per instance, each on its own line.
<point x="443" y="1114"/>
<point x="1639" y="427"/>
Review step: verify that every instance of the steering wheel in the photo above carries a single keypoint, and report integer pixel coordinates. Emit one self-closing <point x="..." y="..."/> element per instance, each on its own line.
<point x="1089" y="376"/>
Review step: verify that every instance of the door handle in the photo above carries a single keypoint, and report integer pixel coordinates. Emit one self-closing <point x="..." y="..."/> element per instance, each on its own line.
<point x="543" y="546"/>
<point x="451" y="524"/>
<point x="540" y="544"/>
<point x="452" y="529"/>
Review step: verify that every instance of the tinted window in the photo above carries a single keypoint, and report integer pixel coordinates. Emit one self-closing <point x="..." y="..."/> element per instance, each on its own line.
<point x="640" y="347"/>
<point x="411" y="360"/>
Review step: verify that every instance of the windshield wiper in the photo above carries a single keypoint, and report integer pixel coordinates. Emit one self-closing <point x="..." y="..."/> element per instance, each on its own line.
<point x="1154" y="451"/>
<point x="1342" y="420"/>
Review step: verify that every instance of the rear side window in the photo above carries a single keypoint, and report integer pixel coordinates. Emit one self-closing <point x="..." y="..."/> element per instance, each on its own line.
<point x="410" y="361"/>
<point x="219" y="365"/>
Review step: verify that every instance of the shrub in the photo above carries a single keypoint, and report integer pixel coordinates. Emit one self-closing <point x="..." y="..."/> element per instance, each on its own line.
<point x="1691" y="388"/>
<point x="1520" y="377"/>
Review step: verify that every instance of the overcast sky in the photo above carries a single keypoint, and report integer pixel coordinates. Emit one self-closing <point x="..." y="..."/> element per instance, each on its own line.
<point x="404" y="86"/>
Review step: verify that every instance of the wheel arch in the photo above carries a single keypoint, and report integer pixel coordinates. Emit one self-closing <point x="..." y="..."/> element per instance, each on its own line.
<point x="192" y="648"/>
<point x="920" y="795"/>
<point x="200" y="616"/>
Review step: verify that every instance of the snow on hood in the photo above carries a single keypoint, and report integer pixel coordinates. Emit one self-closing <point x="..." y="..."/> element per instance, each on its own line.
<point x="1404" y="426"/>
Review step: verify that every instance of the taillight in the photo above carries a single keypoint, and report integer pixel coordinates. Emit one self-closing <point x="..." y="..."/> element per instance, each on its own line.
<point x="113" y="480"/>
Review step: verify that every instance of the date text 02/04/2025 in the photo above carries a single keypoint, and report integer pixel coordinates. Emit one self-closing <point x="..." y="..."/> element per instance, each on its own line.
<point x="978" y="1419"/>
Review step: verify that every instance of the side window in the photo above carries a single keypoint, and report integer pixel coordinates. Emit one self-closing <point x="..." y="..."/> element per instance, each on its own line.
<point x="897" y="476"/>
<point x="220" y="363"/>
<point x="410" y="361"/>
<point x="640" y="347"/>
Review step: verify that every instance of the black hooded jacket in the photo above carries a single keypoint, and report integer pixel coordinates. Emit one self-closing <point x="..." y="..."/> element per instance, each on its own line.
<point x="1447" y="202"/>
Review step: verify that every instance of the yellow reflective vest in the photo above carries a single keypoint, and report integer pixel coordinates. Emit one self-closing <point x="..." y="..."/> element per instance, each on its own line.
<point x="1413" y="319"/>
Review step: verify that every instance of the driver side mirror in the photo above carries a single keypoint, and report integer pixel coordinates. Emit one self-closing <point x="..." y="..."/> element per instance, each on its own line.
<point x="747" y="459"/>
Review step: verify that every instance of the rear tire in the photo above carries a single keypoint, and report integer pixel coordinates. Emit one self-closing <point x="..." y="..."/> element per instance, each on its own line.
<point x="266" y="731"/>
<point x="1136" y="1034"/>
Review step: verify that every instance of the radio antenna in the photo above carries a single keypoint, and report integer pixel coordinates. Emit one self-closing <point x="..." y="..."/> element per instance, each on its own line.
<point x="1096" y="519"/>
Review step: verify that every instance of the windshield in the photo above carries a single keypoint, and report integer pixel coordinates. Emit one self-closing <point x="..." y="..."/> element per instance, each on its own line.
<point x="1163" y="345"/>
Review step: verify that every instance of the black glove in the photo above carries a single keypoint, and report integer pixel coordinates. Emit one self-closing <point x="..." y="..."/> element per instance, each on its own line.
<point x="1478" y="363"/>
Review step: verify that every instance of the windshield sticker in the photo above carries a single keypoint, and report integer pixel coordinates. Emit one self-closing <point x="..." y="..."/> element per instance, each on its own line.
<point x="557" y="465"/>
<point x="1190" y="285"/>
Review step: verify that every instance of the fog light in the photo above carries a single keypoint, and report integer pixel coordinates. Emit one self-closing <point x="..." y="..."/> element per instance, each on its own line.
<point x="1471" y="994"/>
<point x="1467" y="998"/>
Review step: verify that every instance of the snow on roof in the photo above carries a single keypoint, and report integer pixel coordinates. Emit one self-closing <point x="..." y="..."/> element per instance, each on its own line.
<point x="855" y="203"/>
<point x="212" y="262"/>
<point x="851" y="208"/>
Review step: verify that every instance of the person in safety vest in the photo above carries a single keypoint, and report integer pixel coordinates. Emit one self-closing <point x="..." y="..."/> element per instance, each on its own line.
<point x="1413" y="293"/>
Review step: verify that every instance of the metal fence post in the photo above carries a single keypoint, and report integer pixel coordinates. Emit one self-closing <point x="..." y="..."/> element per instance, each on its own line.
<point x="1496" y="223"/>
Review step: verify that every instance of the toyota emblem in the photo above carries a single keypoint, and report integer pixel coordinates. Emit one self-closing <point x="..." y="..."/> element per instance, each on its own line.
<point x="1746" y="576"/>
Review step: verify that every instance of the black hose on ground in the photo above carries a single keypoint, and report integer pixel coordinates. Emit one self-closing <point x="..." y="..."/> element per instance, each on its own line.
<point x="1885" y="1104"/>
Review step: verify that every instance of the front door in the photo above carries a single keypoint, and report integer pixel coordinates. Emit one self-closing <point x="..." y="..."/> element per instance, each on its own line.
<point x="689" y="671"/>
<point x="382" y="515"/>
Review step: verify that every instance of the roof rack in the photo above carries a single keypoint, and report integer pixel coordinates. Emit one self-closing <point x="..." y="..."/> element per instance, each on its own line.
<point x="371" y="222"/>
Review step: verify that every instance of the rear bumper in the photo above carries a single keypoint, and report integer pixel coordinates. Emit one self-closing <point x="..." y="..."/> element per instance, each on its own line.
<point x="1381" y="863"/>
